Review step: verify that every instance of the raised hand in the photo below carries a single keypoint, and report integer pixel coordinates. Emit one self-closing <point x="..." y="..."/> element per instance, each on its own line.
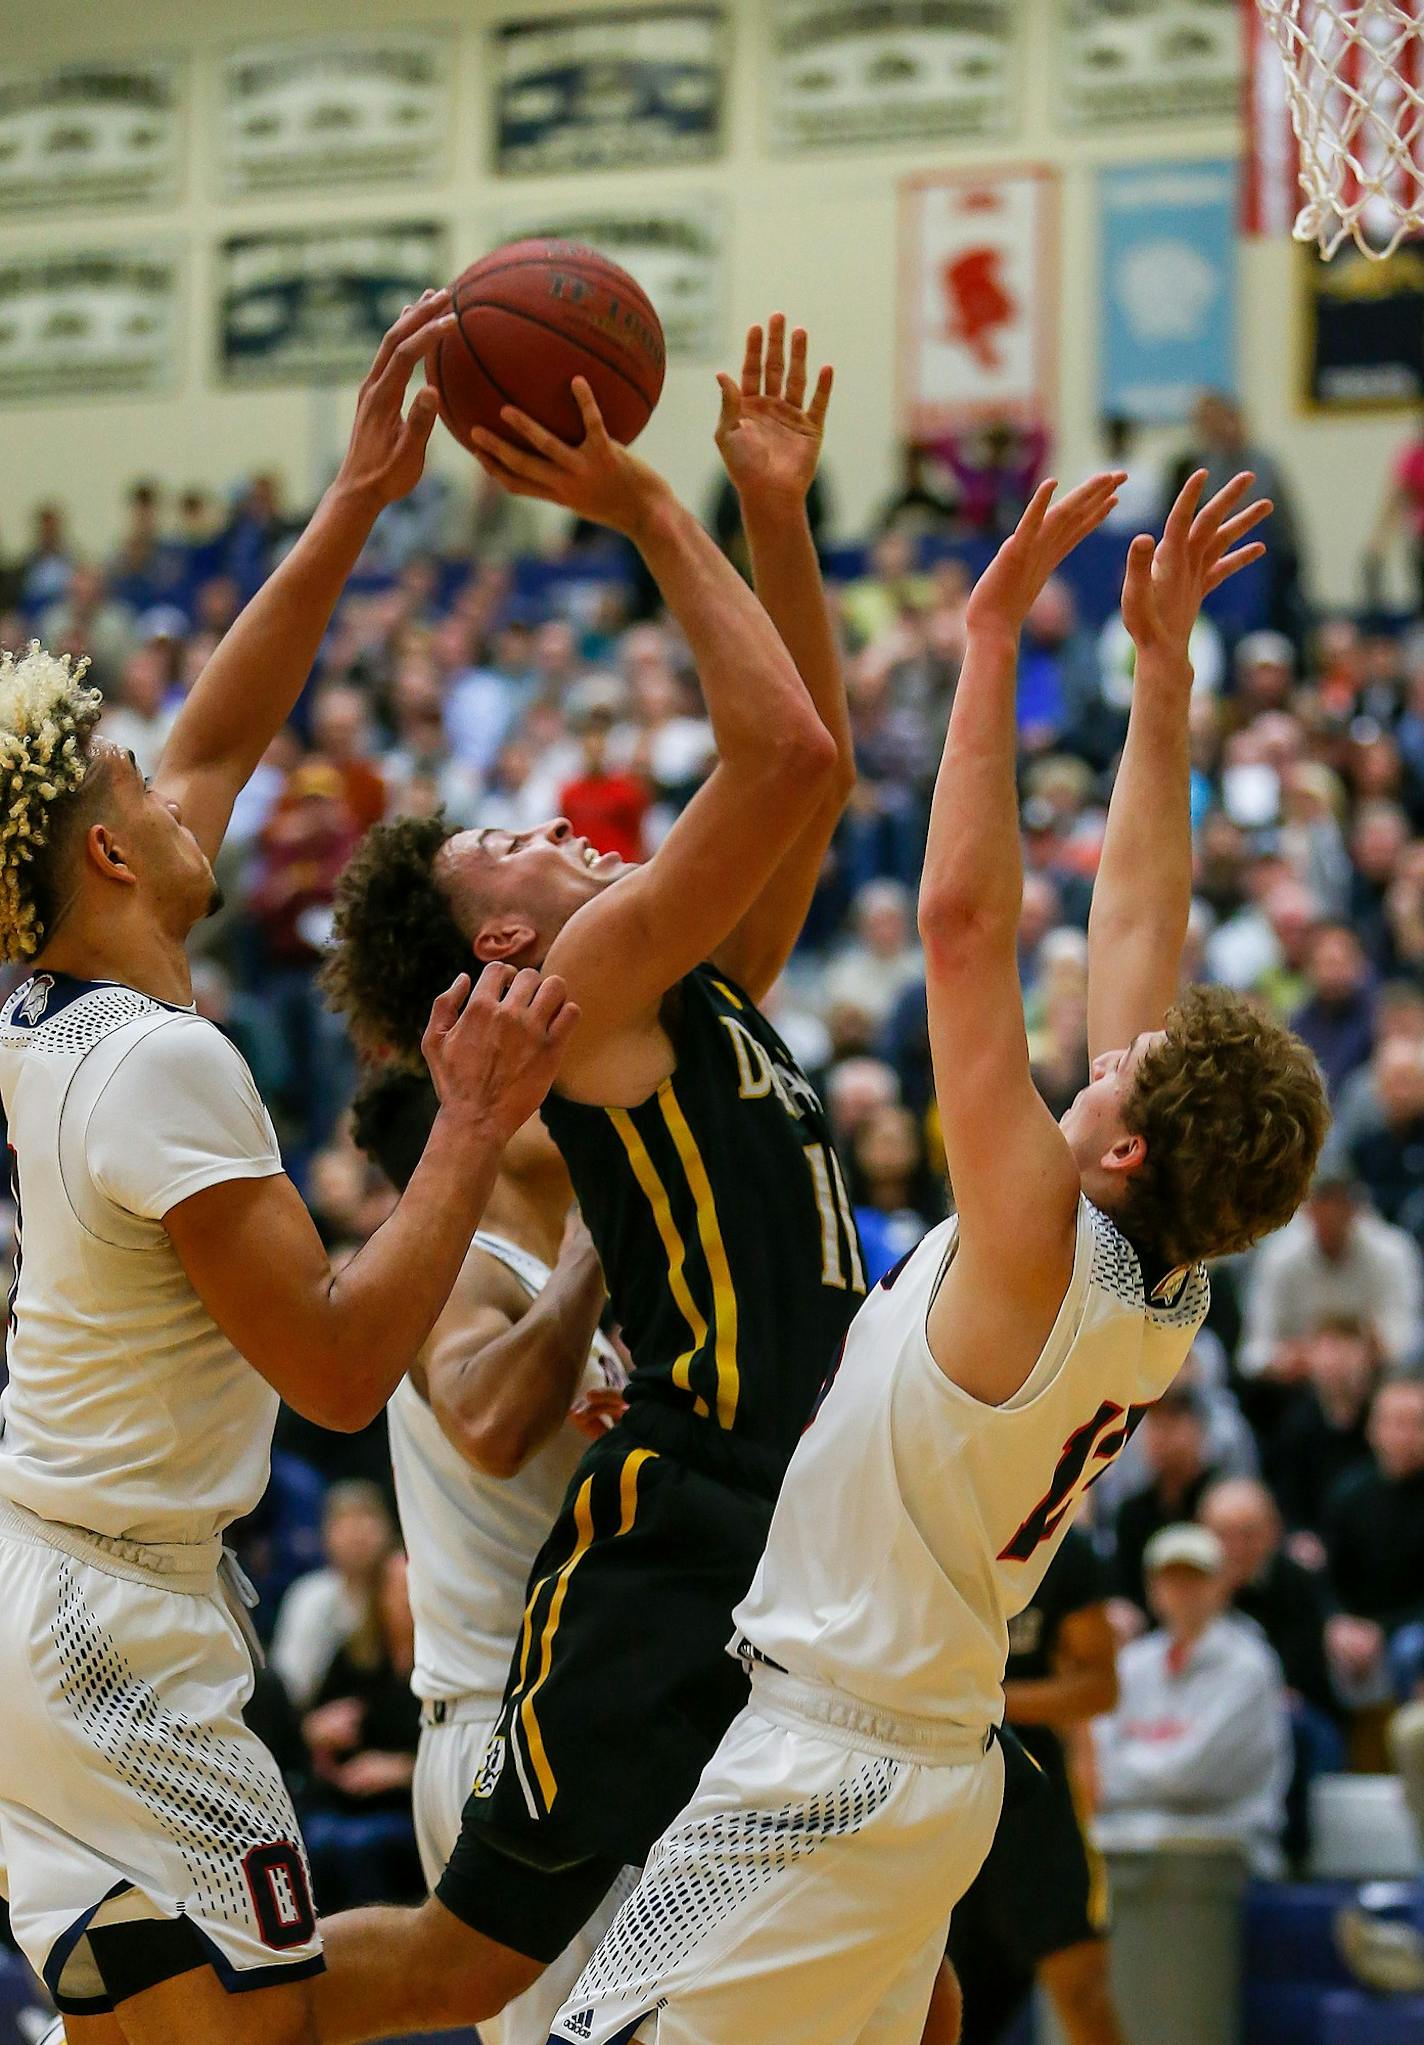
<point x="1041" y="541"/>
<point x="1166" y="579"/>
<point x="768" y="436"/>
<point x="598" y="479"/>
<point x="387" y="449"/>
<point x="493" y="1052"/>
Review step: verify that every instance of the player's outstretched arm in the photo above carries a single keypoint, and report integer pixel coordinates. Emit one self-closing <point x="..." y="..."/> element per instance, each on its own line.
<point x="336" y="1344"/>
<point x="769" y="435"/>
<point x="501" y="1370"/>
<point x="246" y="692"/>
<point x="1015" y="1182"/>
<point x="1143" y="894"/>
<point x="776" y="760"/>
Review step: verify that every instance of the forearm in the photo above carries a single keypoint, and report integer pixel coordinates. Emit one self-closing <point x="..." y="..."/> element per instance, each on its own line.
<point x="500" y="1405"/>
<point x="786" y="576"/>
<point x="248" y="689"/>
<point x="973" y="873"/>
<point x="1070" y="1697"/>
<point x="753" y="692"/>
<point x="376" y="1314"/>
<point x="1143" y="892"/>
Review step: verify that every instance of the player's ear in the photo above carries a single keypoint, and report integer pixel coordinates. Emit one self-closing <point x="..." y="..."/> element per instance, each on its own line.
<point x="104" y="854"/>
<point x="1126" y="1154"/>
<point x="504" y="941"/>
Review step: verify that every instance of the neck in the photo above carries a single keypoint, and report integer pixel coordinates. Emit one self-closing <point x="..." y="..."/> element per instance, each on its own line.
<point x="529" y="1209"/>
<point x="144" y="957"/>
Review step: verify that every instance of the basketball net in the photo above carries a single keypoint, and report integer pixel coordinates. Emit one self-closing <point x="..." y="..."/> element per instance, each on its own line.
<point x="1355" y="79"/>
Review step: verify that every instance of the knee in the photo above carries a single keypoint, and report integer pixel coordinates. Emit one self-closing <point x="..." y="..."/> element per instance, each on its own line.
<point x="477" y="1976"/>
<point x="1078" y="1984"/>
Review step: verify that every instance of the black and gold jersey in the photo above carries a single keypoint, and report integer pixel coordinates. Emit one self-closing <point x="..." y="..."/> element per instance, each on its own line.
<point x="720" y="1213"/>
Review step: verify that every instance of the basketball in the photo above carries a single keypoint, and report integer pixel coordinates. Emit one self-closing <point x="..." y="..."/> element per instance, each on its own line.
<point x="534" y="315"/>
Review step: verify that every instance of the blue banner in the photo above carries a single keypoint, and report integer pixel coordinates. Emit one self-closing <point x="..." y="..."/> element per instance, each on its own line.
<point x="1168" y="274"/>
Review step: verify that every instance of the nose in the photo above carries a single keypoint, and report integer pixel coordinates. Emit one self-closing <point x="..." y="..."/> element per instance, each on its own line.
<point x="557" y="830"/>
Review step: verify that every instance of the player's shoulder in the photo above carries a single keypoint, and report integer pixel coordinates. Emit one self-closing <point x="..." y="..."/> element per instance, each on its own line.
<point x="58" y="1013"/>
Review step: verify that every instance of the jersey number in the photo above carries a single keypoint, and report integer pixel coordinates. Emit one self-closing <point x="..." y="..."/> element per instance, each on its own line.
<point x="277" y="1884"/>
<point x="1086" y="1454"/>
<point x="840" y="1245"/>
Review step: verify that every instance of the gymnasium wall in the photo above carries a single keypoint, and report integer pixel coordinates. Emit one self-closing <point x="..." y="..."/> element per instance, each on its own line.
<point x="815" y="235"/>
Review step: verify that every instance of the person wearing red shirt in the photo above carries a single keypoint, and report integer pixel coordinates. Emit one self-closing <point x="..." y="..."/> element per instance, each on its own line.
<point x="606" y="804"/>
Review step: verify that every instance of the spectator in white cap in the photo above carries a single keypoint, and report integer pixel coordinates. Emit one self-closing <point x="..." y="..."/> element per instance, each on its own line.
<point x="1198" y="1750"/>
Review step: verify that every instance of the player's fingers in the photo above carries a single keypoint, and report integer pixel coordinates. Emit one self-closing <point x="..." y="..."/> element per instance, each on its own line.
<point x="521" y="989"/>
<point x="1242" y="558"/>
<point x="424" y="411"/>
<point x="1179" y="518"/>
<point x="445" y="1009"/>
<point x="594" y="429"/>
<point x="563" y="1026"/>
<point x="520" y="461"/>
<point x="507" y="480"/>
<point x="751" y="364"/>
<point x="417" y="345"/>
<point x="1139" y="561"/>
<point x="1036" y="509"/>
<point x="1226" y="536"/>
<point x="548" y="998"/>
<point x="821" y="397"/>
<point x="774" y="368"/>
<point x="1219" y="507"/>
<point x="430" y="305"/>
<point x="538" y="437"/>
<point x="796" y="373"/>
<point x="492" y="983"/>
<point x="731" y="403"/>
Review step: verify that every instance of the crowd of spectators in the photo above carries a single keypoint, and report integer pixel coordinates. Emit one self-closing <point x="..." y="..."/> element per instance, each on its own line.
<point x="466" y="669"/>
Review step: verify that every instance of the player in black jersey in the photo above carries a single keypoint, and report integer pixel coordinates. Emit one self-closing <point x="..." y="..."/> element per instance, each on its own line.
<point x="702" y="1161"/>
<point x="1039" y="1905"/>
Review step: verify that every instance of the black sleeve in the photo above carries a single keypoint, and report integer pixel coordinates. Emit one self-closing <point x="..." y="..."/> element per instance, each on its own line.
<point x="1078" y="1574"/>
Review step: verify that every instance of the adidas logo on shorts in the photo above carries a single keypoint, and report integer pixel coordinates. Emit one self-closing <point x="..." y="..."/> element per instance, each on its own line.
<point x="580" y="2024"/>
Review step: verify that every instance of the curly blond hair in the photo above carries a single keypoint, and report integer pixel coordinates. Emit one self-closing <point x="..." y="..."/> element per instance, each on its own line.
<point x="47" y="718"/>
<point x="1233" y="1112"/>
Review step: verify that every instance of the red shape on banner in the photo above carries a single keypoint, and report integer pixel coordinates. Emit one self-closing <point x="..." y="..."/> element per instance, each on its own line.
<point x="977" y="302"/>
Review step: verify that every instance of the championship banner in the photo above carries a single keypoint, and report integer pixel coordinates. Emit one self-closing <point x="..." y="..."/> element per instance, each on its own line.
<point x="978" y="287"/>
<point x="90" y="135"/>
<point x="309" y="305"/>
<point x="1168" y="254"/>
<point x="1152" y="60"/>
<point x="1362" y="324"/>
<point x="607" y="88"/>
<point x="356" y="110"/>
<point x="92" y="323"/>
<point x="867" y="71"/>
<point x="675" y="251"/>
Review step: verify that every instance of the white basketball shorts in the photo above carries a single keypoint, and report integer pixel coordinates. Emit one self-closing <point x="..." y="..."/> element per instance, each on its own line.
<point x="129" y="1785"/>
<point x="446" y="1764"/>
<point x="805" y="1893"/>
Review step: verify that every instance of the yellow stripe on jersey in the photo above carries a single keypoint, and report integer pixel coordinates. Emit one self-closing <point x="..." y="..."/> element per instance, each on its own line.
<point x="1099" y="1887"/>
<point x="727" y="995"/>
<point x="583" y="1528"/>
<point x="724" y="1295"/>
<point x="675" y="1250"/>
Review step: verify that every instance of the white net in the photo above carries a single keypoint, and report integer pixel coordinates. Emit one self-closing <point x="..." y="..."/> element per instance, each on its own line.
<point x="1355" y="76"/>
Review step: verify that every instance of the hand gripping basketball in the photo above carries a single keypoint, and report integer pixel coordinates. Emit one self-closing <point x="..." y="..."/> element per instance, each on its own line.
<point x="493" y="1052"/>
<point x="598" y="479"/>
<point x="387" y="449"/>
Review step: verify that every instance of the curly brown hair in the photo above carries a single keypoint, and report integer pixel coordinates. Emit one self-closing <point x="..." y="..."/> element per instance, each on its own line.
<point x="1232" y="1108"/>
<point x="397" y="944"/>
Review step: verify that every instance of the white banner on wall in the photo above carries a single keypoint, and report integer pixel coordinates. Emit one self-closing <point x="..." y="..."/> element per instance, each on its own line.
<point x="675" y="250"/>
<point x="847" y="71"/>
<point x="87" y="322"/>
<point x="336" y="113"/>
<point x="1155" y="60"/>
<point x="309" y="305"/>
<point x="90" y="134"/>
<point x="609" y="87"/>
<point x="977" y="297"/>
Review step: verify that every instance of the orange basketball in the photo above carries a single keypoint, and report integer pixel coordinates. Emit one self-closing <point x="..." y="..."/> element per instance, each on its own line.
<point x="532" y="316"/>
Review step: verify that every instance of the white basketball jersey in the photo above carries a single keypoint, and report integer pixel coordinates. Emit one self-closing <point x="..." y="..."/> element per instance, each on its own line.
<point x="471" y="1539"/>
<point x="915" y="1521"/>
<point x="128" y="1411"/>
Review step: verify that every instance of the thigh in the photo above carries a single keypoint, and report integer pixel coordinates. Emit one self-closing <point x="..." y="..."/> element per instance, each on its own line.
<point x="129" y="1786"/>
<point x="196" y="2005"/>
<point x="790" y="1900"/>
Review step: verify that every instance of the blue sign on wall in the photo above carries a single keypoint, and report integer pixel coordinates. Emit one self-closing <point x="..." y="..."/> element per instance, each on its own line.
<point x="1168" y="273"/>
